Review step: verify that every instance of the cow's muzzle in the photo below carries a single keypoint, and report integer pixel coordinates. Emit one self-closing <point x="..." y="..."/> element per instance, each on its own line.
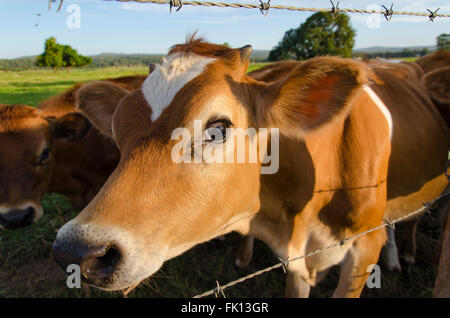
<point x="97" y="263"/>
<point x="18" y="218"/>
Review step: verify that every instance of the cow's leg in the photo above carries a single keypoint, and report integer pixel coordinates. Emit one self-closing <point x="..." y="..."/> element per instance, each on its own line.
<point x="390" y="252"/>
<point x="245" y="252"/>
<point x="443" y="211"/>
<point x="409" y="240"/>
<point x="355" y="266"/>
<point x="86" y="290"/>
<point x="296" y="286"/>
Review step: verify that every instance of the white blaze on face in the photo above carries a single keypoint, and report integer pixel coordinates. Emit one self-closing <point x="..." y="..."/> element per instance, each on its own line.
<point x="169" y="77"/>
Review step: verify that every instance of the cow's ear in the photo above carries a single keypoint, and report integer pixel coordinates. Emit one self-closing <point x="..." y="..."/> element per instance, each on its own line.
<point x="70" y="127"/>
<point x="437" y="84"/>
<point x="313" y="93"/>
<point x="98" y="101"/>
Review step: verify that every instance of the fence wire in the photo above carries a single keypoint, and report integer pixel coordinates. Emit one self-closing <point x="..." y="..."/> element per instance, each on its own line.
<point x="284" y="263"/>
<point x="266" y="6"/>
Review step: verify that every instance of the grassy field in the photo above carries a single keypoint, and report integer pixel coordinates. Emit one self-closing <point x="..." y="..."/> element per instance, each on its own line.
<point x="27" y="269"/>
<point x="31" y="87"/>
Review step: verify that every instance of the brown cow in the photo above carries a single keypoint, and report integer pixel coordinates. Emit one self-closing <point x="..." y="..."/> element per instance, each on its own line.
<point x="346" y="146"/>
<point x="51" y="149"/>
<point x="436" y="67"/>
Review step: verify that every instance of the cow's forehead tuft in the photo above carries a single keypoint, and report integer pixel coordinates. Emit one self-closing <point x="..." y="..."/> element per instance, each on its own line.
<point x="170" y="77"/>
<point x="18" y="117"/>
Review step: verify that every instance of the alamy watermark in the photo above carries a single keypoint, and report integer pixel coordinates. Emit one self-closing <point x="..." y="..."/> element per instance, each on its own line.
<point x="73" y="21"/>
<point x="236" y="146"/>
<point x="73" y="276"/>
<point x="374" y="279"/>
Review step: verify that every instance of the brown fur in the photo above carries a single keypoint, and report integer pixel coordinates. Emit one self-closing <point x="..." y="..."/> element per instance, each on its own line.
<point x="76" y="167"/>
<point x="434" y="61"/>
<point x="437" y="83"/>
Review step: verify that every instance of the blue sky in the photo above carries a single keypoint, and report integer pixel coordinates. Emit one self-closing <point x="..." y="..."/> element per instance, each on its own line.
<point x="109" y="26"/>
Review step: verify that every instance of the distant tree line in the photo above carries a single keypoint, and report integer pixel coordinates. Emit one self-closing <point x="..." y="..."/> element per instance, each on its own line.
<point x="399" y="54"/>
<point x="103" y="60"/>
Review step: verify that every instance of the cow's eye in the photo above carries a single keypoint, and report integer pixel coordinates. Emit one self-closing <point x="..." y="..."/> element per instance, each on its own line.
<point x="217" y="131"/>
<point x="43" y="158"/>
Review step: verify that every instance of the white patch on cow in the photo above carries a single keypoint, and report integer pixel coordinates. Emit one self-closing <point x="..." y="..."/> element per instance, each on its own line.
<point x="169" y="77"/>
<point x="381" y="106"/>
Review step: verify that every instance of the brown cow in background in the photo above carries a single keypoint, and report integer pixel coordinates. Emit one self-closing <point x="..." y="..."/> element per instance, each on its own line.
<point x="436" y="80"/>
<point x="51" y="149"/>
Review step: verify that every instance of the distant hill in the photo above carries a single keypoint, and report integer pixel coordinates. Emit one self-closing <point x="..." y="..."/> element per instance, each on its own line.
<point x="393" y="49"/>
<point x="260" y="55"/>
<point x="109" y="59"/>
<point x="100" y="60"/>
<point x="21" y="63"/>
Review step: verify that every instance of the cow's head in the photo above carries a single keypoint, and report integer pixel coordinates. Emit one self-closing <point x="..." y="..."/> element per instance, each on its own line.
<point x="154" y="206"/>
<point x="27" y="157"/>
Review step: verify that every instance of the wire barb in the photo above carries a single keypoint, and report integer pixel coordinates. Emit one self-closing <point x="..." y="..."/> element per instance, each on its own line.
<point x="433" y="14"/>
<point x="218" y="290"/>
<point x="284" y="264"/>
<point x="265" y="6"/>
<point x="389" y="223"/>
<point x="335" y="10"/>
<point x="389" y="12"/>
<point x="175" y="3"/>
<point x="53" y="1"/>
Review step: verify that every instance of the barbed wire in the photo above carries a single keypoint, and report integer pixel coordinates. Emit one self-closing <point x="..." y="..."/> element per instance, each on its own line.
<point x="265" y="6"/>
<point x="284" y="263"/>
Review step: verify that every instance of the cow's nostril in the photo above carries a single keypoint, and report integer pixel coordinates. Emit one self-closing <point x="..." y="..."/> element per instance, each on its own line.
<point x="100" y="265"/>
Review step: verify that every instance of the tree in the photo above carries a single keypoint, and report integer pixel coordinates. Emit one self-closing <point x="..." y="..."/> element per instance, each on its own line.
<point x="71" y="58"/>
<point x="56" y="55"/>
<point x="52" y="56"/>
<point x="443" y="42"/>
<point x="320" y="34"/>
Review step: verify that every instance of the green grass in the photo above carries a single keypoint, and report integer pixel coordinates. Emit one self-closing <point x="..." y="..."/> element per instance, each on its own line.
<point x="31" y="87"/>
<point x="27" y="269"/>
<point x="405" y="59"/>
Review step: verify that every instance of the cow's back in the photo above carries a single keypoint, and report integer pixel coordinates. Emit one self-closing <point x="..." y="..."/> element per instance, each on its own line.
<point x="419" y="142"/>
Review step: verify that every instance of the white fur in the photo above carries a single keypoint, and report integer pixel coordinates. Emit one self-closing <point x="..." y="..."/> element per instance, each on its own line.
<point x="381" y="106"/>
<point x="391" y="252"/>
<point x="169" y="77"/>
